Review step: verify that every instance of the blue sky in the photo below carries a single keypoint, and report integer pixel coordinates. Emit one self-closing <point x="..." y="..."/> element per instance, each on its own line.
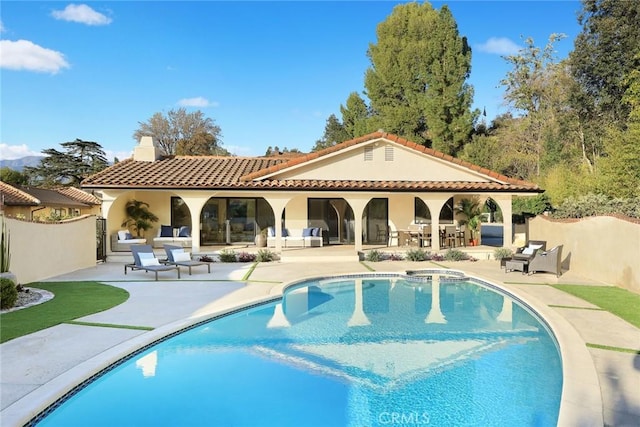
<point x="268" y="73"/>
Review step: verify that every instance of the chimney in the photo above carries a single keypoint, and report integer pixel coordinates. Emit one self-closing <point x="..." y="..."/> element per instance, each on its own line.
<point x="146" y="150"/>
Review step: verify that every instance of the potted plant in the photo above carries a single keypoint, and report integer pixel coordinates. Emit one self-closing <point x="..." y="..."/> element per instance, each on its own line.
<point x="139" y="217"/>
<point x="470" y="215"/>
<point x="261" y="239"/>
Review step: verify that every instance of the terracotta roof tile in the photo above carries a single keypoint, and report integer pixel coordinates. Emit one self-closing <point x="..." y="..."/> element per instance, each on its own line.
<point x="202" y="172"/>
<point x="12" y="196"/>
<point x="79" y="195"/>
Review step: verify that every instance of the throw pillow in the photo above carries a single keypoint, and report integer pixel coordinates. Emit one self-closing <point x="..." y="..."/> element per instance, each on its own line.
<point x="527" y="251"/>
<point x="146" y="262"/>
<point x="166" y="231"/>
<point x="173" y="252"/>
<point x="185" y="231"/>
<point x="129" y="236"/>
<point x="307" y="232"/>
<point x="285" y="232"/>
<point x="122" y="235"/>
<point x="271" y="231"/>
<point x="181" y="256"/>
<point x="315" y="232"/>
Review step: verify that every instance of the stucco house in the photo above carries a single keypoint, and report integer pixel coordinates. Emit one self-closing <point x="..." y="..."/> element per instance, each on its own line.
<point x="351" y="191"/>
<point x="42" y="204"/>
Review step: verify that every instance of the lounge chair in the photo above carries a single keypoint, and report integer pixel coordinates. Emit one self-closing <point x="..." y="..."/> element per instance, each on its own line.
<point x="175" y="257"/>
<point x="528" y="252"/>
<point x="145" y="259"/>
<point x="547" y="261"/>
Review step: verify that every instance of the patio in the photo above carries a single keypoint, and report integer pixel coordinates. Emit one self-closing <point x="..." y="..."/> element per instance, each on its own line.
<point x="53" y="359"/>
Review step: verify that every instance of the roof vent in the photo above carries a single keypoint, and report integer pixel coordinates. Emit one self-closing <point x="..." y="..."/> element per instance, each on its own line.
<point x="368" y="153"/>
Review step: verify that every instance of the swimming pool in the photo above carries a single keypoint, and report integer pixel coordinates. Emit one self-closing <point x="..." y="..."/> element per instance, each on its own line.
<point x="346" y="351"/>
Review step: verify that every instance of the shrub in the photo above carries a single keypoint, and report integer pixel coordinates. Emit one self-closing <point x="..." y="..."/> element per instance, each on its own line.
<point x="455" y="255"/>
<point x="8" y="293"/>
<point x="265" y="255"/>
<point x="417" y="255"/>
<point x="206" y="258"/>
<point x="394" y="256"/>
<point x="374" y="255"/>
<point x="501" y="253"/>
<point x="597" y="204"/>
<point x="246" y="257"/>
<point x="227" y="255"/>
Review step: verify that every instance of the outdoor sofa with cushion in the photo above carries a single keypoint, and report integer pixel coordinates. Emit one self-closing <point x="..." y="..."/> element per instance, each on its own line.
<point x="145" y="259"/>
<point x="122" y="240"/>
<point x="306" y="237"/>
<point x="168" y="235"/>
<point x="176" y="255"/>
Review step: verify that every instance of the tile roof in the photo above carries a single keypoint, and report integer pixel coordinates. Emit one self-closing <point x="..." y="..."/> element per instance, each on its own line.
<point x="246" y="173"/>
<point x="12" y="196"/>
<point x="33" y="196"/>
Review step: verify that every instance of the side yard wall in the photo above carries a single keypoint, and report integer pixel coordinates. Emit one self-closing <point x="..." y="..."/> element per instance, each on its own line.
<point x="603" y="248"/>
<point x="43" y="250"/>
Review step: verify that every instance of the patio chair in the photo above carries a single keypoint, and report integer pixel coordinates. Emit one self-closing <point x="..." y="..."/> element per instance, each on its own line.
<point x="145" y="259"/>
<point x="176" y="255"/>
<point x="528" y="252"/>
<point x="547" y="261"/>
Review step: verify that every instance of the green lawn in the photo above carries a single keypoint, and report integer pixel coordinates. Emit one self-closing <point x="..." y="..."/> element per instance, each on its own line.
<point x="621" y="302"/>
<point x="72" y="300"/>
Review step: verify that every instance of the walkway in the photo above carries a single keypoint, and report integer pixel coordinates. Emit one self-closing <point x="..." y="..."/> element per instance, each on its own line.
<point x="35" y="368"/>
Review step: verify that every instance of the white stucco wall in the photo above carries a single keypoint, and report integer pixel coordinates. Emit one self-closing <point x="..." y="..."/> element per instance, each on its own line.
<point x="43" y="250"/>
<point x="407" y="165"/>
<point x="602" y="248"/>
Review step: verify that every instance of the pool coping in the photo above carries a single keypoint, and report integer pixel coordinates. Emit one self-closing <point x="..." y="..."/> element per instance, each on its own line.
<point x="581" y="401"/>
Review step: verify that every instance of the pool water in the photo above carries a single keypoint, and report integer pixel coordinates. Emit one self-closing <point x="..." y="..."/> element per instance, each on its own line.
<point x="350" y="351"/>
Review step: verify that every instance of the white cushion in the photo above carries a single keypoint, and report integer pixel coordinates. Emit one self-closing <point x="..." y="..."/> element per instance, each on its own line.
<point x="181" y="256"/>
<point x="122" y="234"/>
<point x="535" y="247"/>
<point x="527" y="251"/>
<point x="146" y="262"/>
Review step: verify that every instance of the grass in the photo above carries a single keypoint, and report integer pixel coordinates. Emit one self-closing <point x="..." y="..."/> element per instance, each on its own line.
<point x="618" y="301"/>
<point x="72" y="300"/>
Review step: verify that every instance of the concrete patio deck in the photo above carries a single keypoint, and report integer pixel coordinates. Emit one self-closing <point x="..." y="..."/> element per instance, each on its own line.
<point x="35" y="369"/>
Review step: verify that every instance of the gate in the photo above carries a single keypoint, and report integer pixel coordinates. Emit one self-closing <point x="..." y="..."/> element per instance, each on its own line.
<point x="101" y="239"/>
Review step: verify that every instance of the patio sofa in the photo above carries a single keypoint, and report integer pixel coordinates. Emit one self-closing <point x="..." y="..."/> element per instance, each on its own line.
<point x="122" y="240"/>
<point x="167" y="235"/>
<point x="291" y="238"/>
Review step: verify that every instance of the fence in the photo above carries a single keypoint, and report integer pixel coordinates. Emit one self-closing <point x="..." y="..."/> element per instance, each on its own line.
<point x="43" y="250"/>
<point x="603" y="248"/>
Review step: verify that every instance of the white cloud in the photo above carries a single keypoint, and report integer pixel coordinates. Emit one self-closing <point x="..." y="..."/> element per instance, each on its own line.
<point x="11" y="152"/>
<point x="25" y="55"/>
<point x="240" y="150"/>
<point x="81" y="13"/>
<point x="197" y="102"/>
<point x="499" y="46"/>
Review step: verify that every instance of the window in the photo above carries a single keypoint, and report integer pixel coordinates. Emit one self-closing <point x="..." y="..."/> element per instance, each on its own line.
<point x="368" y="153"/>
<point x="180" y="214"/>
<point x="421" y="212"/>
<point x="446" y="213"/>
<point x="388" y="153"/>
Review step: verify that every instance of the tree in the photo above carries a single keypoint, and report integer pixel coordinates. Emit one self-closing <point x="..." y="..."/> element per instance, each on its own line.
<point x="139" y="217"/>
<point x="69" y="167"/>
<point x="605" y="52"/>
<point x="356" y="117"/>
<point x="13" y="177"/>
<point x="334" y="133"/>
<point x="528" y="89"/>
<point x="416" y="83"/>
<point x="191" y="133"/>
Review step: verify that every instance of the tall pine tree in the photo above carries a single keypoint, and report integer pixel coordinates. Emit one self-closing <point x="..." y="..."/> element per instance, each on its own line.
<point x="417" y="81"/>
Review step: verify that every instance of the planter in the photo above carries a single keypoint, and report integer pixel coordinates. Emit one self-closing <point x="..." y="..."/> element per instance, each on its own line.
<point x="260" y="241"/>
